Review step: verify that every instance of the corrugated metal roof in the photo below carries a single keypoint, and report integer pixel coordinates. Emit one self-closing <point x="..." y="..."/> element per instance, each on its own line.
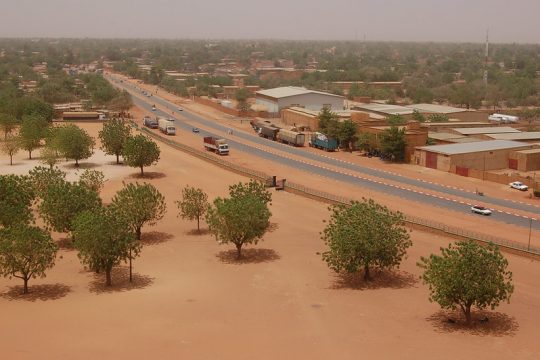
<point x="286" y="91"/>
<point x="486" y="130"/>
<point x="439" y="109"/>
<point x="476" y="146"/>
<point x="386" y="109"/>
<point x="532" y="135"/>
<point x="444" y="136"/>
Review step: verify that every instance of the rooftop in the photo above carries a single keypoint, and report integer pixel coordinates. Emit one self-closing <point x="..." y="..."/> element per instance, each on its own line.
<point x="287" y="91"/>
<point x="444" y="136"/>
<point x="437" y="109"/>
<point x="386" y="109"/>
<point x="476" y="146"/>
<point x="532" y="135"/>
<point x="486" y="130"/>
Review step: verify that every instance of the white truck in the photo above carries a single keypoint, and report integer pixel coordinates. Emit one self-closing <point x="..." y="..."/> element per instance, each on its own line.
<point x="504" y="119"/>
<point x="219" y="146"/>
<point x="166" y="126"/>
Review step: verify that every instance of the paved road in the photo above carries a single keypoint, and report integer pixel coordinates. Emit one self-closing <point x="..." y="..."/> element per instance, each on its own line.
<point x="399" y="191"/>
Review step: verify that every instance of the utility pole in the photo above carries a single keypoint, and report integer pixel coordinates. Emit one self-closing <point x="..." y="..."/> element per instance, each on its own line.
<point x="530" y="231"/>
<point x="486" y="60"/>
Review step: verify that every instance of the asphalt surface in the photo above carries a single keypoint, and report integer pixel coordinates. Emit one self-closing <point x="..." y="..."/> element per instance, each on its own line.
<point x="400" y="191"/>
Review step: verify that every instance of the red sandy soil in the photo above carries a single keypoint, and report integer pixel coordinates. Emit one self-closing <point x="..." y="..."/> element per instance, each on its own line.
<point x="191" y="300"/>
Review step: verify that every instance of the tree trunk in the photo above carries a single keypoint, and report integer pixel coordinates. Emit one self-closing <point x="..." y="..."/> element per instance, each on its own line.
<point x="76" y="163"/>
<point x="25" y="289"/>
<point x="198" y="227"/>
<point x="138" y="233"/>
<point x="367" y="277"/>
<point x="108" y="276"/>
<point x="10" y="159"/>
<point x="130" y="271"/>
<point x="142" y="172"/>
<point x="117" y="158"/>
<point x="468" y="316"/>
<point x="30" y="154"/>
<point x="238" y="251"/>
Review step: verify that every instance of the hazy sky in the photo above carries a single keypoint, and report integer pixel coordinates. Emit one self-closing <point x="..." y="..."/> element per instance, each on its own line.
<point x="399" y="20"/>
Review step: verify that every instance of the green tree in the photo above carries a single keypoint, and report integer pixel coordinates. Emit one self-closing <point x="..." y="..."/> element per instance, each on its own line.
<point x="11" y="146"/>
<point x="395" y="120"/>
<point x="241" y="219"/>
<point x="31" y="132"/>
<point x="328" y="123"/>
<point x="103" y="239"/>
<point x="530" y="116"/>
<point x="193" y="205"/>
<point x="366" y="141"/>
<point x="113" y="137"/>
<point x="26" y="252"/>
<point x="42" y="177"/>
<point x="393" y="143"/>
<point x="16" y="198"/>
<point x="467" y="274"/>
<point x="122" y="102"/>
<point x="140" y="205"/>
<point x="347" y="133"/>
<point x="92" y="179"/>
<point x="63" y="201"/>
<point x="8" y="123"/>
<point x="418" y="116"/>
<point x="437" y="118"/>
<point x="364" y="235"/>
<point x="74" y="143"/>
<point x="140" y="151"/>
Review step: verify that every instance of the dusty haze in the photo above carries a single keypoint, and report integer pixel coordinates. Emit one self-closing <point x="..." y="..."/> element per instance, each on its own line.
<point x="386" y="20"/>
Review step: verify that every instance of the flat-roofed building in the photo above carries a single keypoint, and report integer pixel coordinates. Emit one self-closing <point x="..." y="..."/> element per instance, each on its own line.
<point x="525" y="136"/>
<point x="460" y="157"/>
<point x="284" y="97"/>
<point x="483" y="130"/>
<point x="450" y="111"/>
<point x="384" y="109"/>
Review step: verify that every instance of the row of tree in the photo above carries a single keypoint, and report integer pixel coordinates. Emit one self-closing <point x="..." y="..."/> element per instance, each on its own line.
<point x="365" y="235"/>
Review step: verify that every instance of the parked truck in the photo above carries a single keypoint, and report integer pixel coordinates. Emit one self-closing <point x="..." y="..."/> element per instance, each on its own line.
<point x="320" y="141"/>
<point x="268" y="132"/>
<point x="166" y="126"/>
<point x="219" y="146"/>
<point x="291" y="137"/>
<point x="150" y="122"/>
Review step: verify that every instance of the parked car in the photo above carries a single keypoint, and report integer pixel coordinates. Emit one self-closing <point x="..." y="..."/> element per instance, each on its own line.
<point x="180" y="109"/>
<point x="479" y="209"/>
<point x="519" y="186"/>
<point x="153" y="107"/>
<point x="195" y="130"/>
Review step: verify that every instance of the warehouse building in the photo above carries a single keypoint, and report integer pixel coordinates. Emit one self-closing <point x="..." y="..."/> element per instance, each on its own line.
<point x="478" y="155"/>
<point x="284" y="97"/>
<point x="530" y="136"/>
<point x="480" y="131"/>
<point x="450" y="111"/>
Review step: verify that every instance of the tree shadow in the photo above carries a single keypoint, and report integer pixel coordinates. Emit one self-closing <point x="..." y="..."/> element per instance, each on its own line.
<point x="197" y="232"/>
<point x="272" y="227"/>
<point x="484" y="323"/>
<point x="120" y="281"/>
<point x="249" y="256"/>
<point x="155" y="237"/>
<point x="42" y="292"/>
<point x="148" y="175"/>
<point x="389" y="279"/>
<point x="66" y="244"/>
<point x="82" y="165"/>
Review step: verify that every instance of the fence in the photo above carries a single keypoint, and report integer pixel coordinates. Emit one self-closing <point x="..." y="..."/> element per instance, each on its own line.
<point x="334" y="199"/>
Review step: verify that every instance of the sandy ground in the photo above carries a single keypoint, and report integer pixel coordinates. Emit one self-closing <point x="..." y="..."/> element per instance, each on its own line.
<point x="191" y="300"/>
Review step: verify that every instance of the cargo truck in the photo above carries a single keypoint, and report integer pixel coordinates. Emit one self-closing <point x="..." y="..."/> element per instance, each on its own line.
<point x="219" y="146"/>
<point x="291" y="137"/>
<point x="268" y="132"/>
<point x="166" y="126"/>
<point x="320" y="141"/>
<point x="149" y="122"/>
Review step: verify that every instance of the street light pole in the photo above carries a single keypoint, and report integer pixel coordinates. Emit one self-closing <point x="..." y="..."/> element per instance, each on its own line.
<point x="530" y="230"/>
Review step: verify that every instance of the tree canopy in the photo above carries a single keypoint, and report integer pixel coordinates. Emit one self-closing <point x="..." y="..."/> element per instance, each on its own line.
<point x="74" y="143"/>
<point x="32" y="130"/>
<point x="103" y="239"/>
<point x="26" y="252"/>
<point x="393" y="143"/>
<point x="113" y="137"/>
<point x="364" y="235"/>
<point x="16" y="198"/>
<point x="140" y="151"/>
<point x="467" y="274"/>
<point x="243" y="217"/>
<point x="193" y="205"/>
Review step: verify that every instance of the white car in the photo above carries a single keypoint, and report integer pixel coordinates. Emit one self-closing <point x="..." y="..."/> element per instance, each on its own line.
<point x="180" y="109"/>
<point x="478" y="209"/>
<point x="519" y="186"/>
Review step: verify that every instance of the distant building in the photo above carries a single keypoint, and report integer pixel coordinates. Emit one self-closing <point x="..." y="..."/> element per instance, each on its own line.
<point x="284" y="97"/>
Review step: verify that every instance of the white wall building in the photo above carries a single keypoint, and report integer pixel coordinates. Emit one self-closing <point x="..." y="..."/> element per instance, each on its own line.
<point x="283" y="97"/>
